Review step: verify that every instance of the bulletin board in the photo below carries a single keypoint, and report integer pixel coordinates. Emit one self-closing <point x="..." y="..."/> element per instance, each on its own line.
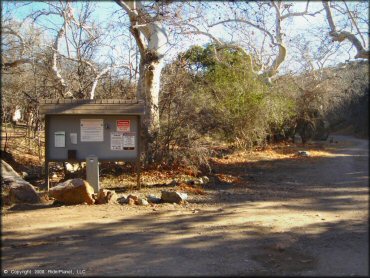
<point x="74" y="137"/>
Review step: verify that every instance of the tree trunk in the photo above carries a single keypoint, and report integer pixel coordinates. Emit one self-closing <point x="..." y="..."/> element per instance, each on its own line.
<point x="148" y="89"/>
<point x="152" y="41"/>
<point x="150" y="85"/>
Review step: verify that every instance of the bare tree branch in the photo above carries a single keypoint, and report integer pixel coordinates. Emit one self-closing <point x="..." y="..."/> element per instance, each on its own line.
<point x="249" y="23"/>
<point x="354" y="23"/>
<point x="305" y="12"/>
<point x="7" y="30"/>
<point x="343" y="35"/>
<point x="100" y="74"/>
<point x="16" y="63"/>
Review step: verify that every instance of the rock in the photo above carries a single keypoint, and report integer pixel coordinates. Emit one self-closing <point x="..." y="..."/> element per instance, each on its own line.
<point x="14" y="188"/>
<point x="198" y="181"/>
<point x="122" y="200"/>
<point x="173" y="197"/>
<point x="205" y="179"/>
<point x="106" y="197"/>
<point x="123" y="196"/>
<point x="153" y="199"/>
<point x="8" y="171"/>
<point x="71" y="167"/>
<point x="303" y="153"/>
<point x="23" y="192"/>
<point x="134" y="197"/>
<point x="24" y="175"/>
<point x="190" y="182"/>
<point x="173" y="183"/>
<point x="130" y="201"/>
<point x="58" y="203"/>
<point x="44" y="197"/>
<point x="142" y="202"/>
<point x="72" y="192"/>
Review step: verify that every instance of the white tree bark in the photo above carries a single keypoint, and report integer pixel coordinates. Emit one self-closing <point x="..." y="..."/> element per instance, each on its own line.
<point x="151" y="39"/>
<point x="54" y="65"/>
<point x="66" y="13"/>
<point x="344" y="35"/>
<point x="270" y="70"/>
<point x="96" y="81"/>
<point x="280" y="58"/>
<point x="99" y="75"/>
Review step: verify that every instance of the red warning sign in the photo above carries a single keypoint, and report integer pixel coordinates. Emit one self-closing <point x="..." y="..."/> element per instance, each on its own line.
<point x="123" y="125"/>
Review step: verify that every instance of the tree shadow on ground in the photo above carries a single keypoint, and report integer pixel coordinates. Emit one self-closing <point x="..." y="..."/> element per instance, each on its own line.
<point x="206" y="243"/>
<point x="324" y="183"/>
<point x="157" y="243"/>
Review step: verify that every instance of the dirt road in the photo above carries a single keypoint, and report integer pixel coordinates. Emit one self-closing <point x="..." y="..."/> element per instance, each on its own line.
<point x="303" y="217"/>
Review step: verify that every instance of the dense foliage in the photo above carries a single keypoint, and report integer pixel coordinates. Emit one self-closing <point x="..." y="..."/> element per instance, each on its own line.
<point x="212" y="95"/>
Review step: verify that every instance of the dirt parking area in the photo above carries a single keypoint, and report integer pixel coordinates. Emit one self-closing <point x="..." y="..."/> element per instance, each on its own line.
<point x="291" y="217"/>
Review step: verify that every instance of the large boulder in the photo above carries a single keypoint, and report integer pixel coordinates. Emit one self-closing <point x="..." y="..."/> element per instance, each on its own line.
<point x="106" y="197"/>
<point x="72" y="192"/>
<point x="23" y="192"/>
<point x="173" y="197"/>
<point x="14" y="188"/>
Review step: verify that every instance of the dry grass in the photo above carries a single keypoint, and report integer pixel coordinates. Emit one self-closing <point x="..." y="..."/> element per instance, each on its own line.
<point x="25" y="149"/>
<point x="27" y="154"/>
<point x="280" y="151"/>
<point x="191" y="189"/>
<point x="228" y="178"/>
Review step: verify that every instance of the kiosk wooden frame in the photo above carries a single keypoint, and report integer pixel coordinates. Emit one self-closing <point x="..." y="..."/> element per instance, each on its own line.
<point x="68" y="115"/>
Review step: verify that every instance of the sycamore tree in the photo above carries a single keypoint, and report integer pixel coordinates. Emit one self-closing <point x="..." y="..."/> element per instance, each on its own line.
<point x="259" y="29"/>
<point x="77" y="48"/>
<point x="347" y="22"/>
<point x="77" y="40"/>
<point x="146" y="26"/>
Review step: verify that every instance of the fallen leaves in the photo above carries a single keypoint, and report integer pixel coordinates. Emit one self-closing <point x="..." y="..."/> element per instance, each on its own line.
<point x="228" y="178"/>
<point x="191" y="189"/>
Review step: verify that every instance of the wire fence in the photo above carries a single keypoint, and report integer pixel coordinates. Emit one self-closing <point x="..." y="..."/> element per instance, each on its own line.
<point x="21" y="140"/>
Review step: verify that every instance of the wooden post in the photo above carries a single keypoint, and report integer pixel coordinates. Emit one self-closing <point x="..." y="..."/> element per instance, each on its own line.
<point x="138" y="153"/>
<point x="46" y="153"/>
<point x="47" y="174"/>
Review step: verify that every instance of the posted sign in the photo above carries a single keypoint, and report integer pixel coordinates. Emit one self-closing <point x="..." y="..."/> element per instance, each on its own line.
<point x="116" y="141"/>
<point x="123" y="125"/>
<point x="92" y="130"/>
<point x="120" y="141"/>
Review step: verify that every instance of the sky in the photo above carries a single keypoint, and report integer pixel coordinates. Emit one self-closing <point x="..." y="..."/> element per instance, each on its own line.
<point x="105" y="10"/>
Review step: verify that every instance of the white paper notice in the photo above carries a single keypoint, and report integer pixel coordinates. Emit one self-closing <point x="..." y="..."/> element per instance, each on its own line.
<point x="60" y="139"/>
<point x="129" y="141"/>
<point x="92" y="130"/>
<point x="116" y="141"/>
<point x="73" y="137"/>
